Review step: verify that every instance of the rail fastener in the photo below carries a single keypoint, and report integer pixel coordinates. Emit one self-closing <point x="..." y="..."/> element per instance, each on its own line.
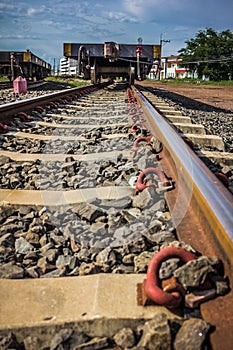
<point x="151" y="291"/>
<point x="23" y="116"/>
<point x="162" y="178"/>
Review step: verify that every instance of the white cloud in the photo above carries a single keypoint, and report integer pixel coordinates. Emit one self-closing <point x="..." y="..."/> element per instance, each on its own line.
<point x="181" y="28"/>
<point x="19" y="36"/>
<point x="6" y="6"/>
<point x="35" y="10"/>
<point x="163" y="11"/>
<point x="24" y="22"/>
<point x="119" y="17"/>
<point x="48" y="22"/>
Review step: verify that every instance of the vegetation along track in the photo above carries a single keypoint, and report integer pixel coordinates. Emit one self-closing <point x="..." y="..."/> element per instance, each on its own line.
<point x="96" y="186"/>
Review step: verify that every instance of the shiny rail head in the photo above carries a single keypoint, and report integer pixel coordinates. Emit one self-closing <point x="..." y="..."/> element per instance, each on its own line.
<point x="217" y="201"/>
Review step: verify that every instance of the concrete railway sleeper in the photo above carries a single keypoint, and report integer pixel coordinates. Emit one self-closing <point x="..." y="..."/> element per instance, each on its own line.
<point x="99" y="244"/>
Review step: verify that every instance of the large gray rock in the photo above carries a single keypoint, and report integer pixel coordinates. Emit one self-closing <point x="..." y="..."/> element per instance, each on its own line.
<point x="6" y="210"/>
<point x="136" y="247"/>
<point x="121" y="232"/>
<point x="10" y="270"/>
<point x="83" y="255"/>
<point x="68" y="261"/>
<point x="89" y="269"/>
<point x="32" y="343"/>
<point x="142" y="162"/>
<point x="128" y="259"/>
<point x="14" y="181"/>
<point x="88" y="211"/>
<point x="44" y="266"/>
<point x="145" y="198"/>
<point x="7" y="240"/>
<point x="195" y="272"/>
<point x="142" y="261"/>
<point x="32" y="272"/>
<point x="106" y="256"/>
<point x="55" y="273"/>
<point x="123" y="269"/>
<point x="46" y="247"/>
<point x="125" y="338"/>
<point x="138" y="227"/>
<point x="154" y="226"/>
<point x="168" y="267"/>
<point x="156" y="334"/>
<point x="51" y="255"/>
<point x="178" y="244"/>
<point x="57" y="238"/>
<point x="158" y="206"/>
<point x="9" y="341"/>
<point x="22" y="246"/>
<point x="191" y="335"/>
<point x="11" y="227"/>
<point x="60" y="338"/>
<point x="159" y="238"/>
<point x="33" y="238"/>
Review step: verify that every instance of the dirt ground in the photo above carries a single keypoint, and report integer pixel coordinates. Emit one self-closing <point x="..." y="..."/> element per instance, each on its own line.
<point x="217" y="96"/>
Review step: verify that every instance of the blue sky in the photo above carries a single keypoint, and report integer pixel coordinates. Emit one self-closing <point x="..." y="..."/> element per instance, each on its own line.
<point x="43" y="26"/>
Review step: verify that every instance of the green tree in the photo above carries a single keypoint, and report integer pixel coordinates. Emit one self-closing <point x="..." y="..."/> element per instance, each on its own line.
<point x="209" y="54"/>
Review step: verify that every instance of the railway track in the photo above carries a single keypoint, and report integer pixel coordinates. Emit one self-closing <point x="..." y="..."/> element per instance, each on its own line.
<point x="96" y="186"/>
<point x="9" y="85"/>
<point x="34" y="89"/>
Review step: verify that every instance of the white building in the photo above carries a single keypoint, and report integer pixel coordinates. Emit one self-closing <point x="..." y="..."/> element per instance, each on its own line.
<point x="169" y="68"/>
<point x="68" y="66"/>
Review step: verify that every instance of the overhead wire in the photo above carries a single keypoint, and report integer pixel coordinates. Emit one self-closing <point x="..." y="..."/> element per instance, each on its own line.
<point x="133" y="61"/>
<point x="210" y="61"/>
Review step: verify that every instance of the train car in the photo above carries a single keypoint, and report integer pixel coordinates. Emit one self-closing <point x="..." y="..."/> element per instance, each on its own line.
<point x="111" y="60"/>
<point x="23" y="63"/>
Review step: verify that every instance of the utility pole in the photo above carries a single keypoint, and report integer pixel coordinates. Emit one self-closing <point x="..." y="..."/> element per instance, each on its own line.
<point x="165" y="68"/>
<point x="160" y="58"/>
<point x="12" y="66"/>
<point x="139" y="53"/>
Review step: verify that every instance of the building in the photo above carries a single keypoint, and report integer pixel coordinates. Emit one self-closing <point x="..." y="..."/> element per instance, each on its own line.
<point x="68" y="66"/>
<point x="169" y="68"/>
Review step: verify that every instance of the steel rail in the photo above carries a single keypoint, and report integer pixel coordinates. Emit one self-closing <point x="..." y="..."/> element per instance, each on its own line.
<point x="8" y="110"/>
<point x="30" y="84"/>
<point x="202" y="213"/>
<point x="219" y="201"/>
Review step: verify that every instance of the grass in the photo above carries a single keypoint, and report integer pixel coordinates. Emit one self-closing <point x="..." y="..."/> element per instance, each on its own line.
<point x="72" y="82"/>
<point x="194" y="82"/>
<point x="4" y="79"/>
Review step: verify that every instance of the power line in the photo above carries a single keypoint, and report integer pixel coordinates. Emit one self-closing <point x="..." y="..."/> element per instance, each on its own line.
<point x="199" y="61"/>
<point x="210" y="61"/>
<point x="126" y="60"/>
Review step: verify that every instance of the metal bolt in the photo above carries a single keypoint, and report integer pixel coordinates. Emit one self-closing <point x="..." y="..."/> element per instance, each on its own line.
<point x="197" y="297"/>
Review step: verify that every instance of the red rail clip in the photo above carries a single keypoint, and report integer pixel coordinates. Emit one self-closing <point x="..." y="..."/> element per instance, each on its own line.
<point x="162" y="177"/>
<point x="40" y="109"/>
<point x="152" y="285"/>
<point x="23" y="116"/>
<point x="3" y="127"/>
<point x="223" y="178"/>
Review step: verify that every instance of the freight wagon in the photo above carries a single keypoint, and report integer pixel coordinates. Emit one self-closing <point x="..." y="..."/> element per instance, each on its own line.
<point x="23" y="63"/>
<point x="111" y="60"/>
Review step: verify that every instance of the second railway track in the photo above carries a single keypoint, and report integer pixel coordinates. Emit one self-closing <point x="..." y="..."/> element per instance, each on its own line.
<point x="93" y="187"/>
